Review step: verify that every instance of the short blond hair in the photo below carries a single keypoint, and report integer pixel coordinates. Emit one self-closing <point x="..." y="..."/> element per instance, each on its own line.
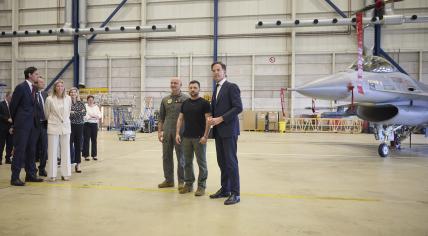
<point x="54" y="90"/>
<point x="77" y="92"/>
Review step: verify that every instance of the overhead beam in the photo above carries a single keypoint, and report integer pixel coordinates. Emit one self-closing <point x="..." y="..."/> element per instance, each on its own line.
<point x="386" y="20"/>
<point x="89" y="31"/>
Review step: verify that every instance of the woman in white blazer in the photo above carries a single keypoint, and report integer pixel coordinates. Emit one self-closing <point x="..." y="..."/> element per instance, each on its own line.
<point x="57" y="112"/>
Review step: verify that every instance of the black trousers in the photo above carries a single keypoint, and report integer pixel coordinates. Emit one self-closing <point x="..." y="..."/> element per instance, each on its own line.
<point x="25" y="149"/>
<point x="42" y="146"/>
<point x="76" y="137"/>
<point x="90" y="132"/>
<point x="6" y="139"/>
<point x="227" y="160"/>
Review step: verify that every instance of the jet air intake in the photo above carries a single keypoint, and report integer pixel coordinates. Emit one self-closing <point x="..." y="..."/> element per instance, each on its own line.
<point x="393" y="115"/>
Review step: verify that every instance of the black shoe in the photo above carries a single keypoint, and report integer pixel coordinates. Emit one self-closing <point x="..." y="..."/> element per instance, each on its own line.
<point x="220" y="194"/>
<point x="95" y="158"/>
<point x="87" y="159"/>
<point x="42" y="172"/>
<point x="8" y="161"/>
<point x="77" y="168"/>
<point x="17" y="182"/>
<point x="33" y="179"/>
<point x="233" y="199"/>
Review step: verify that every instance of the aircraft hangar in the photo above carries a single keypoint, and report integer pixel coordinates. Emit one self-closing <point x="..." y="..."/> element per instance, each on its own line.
<point x="319" y="127"/>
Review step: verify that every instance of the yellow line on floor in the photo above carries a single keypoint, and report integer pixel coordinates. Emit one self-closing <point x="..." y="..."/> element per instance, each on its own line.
<point x="173" y="190"/>
<point x="308" y="197"/>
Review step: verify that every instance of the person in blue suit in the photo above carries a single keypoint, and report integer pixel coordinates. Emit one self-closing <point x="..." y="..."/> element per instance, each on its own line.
<point x="226" y="105"/>
<point x="24" y="122"/>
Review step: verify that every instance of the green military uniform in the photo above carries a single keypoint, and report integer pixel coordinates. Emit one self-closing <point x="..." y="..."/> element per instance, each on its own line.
<point x="168" y="115"/>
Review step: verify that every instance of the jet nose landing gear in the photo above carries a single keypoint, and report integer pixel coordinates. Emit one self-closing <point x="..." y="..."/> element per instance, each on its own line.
<point x="383" y="150"/>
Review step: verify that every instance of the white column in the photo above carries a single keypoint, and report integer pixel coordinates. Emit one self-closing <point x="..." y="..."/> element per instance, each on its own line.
<point x="293" y="59"/>
<point x="333" y="70"/>
<point x="178" y="66"/>
<point x="68" y="7"/>
<point x="82" y="43"/>
<point x="109" y="74"/>
<point x="190" y="67"/>
<point x="143" y="14"/>
<point x="46" y="71"/>
<point x="253" y="71"/>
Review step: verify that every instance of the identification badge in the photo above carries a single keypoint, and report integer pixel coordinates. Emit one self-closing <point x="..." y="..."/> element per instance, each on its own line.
<point x="169" y="101"/>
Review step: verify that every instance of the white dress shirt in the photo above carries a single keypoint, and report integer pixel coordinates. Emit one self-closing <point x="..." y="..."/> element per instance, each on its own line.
<point x="30" y="84"/>
<point x="220" y="84"/>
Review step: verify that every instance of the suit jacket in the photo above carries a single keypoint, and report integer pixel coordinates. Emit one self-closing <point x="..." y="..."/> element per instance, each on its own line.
<point x="22" y="107"/>
<point x="44" y="95"/>
<point x="58" y="119"/>
<point x="227" y="104"/>
<point x="40" y="107"/>
<point x="4" y="116"/>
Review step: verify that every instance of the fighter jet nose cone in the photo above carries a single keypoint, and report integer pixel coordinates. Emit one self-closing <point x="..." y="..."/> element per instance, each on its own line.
<point x="330" y="88"/>
<point x="328" y="93"/>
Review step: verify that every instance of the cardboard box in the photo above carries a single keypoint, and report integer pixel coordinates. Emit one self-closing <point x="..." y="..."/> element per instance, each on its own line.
<point x="261" y="121"/>
<point x="249" y="120"/>
<point x="273" y="116"/>
<point x="273" y="126"/>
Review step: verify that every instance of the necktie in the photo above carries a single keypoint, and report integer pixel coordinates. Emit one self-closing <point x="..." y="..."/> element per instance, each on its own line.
<point x="40" y="106"/>
<point x="217" y="91"/>
<point x="214" y="93"/>
<point x="33" y="92"/>
<point x="41" y="100"/>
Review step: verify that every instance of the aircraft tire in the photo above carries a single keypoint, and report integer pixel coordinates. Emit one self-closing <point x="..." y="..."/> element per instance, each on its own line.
<point x="383" y="150"/>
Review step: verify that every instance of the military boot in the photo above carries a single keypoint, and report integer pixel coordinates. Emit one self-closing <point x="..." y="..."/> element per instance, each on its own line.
<point x="186" y="189"/>
<point x="180" y="185"/>
<point x="200" y="191"/>
<point x="166" y="184"/>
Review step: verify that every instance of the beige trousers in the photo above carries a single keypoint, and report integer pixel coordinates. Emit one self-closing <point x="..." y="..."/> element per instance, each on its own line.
<point x="54" y="142"/>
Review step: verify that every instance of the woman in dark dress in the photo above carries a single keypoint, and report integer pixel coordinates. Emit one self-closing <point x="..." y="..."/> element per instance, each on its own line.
<point x="78" y="112"/>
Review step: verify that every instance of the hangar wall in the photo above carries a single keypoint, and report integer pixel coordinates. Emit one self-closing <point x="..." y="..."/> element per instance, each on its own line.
<point x="259" y="58"/>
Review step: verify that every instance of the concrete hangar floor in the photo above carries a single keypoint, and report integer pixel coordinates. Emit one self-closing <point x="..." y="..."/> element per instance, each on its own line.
<point x="291" y="184"/>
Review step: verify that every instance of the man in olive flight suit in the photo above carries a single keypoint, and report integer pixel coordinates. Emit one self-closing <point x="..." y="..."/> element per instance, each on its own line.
<point x="168" y="115"/>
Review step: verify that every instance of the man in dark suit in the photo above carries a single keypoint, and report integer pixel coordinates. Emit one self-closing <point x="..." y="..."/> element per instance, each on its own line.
<point x="226" y="105"/>
<point x="25" y="120"/>
<point x="5" y="124"/>
<point x="42" y="139"/>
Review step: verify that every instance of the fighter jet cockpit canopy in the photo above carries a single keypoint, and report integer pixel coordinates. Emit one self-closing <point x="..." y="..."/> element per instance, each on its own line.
<point x="375" y="64"/>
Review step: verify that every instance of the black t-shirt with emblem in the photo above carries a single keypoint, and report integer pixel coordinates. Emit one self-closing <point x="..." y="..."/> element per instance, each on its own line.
<point x="194" y="117"/>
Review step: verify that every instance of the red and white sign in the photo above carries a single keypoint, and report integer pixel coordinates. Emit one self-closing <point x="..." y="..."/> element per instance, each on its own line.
<point x="360" y="52"/>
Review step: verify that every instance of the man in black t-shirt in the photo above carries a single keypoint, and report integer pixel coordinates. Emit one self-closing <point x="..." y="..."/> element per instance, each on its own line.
<point x="194" y="114"/>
